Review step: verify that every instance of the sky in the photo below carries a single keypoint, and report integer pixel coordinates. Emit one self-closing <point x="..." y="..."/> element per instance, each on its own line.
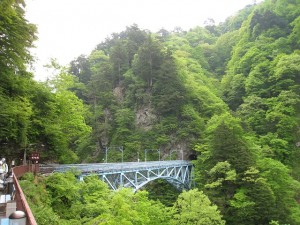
<point x="69" y="28"/>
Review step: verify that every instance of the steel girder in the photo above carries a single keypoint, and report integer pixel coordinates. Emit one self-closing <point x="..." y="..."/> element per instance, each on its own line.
<point x="132" y="174"/>
<point x="178" y="174"/>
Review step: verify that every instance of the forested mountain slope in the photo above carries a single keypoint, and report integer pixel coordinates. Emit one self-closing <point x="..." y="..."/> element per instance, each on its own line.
<point x="227" y="93"/>
<point x="147" y="91"/>
<point x="158" y="90"/>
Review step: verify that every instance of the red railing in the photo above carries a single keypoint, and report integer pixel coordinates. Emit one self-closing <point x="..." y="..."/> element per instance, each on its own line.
<point x="19" y="195"/>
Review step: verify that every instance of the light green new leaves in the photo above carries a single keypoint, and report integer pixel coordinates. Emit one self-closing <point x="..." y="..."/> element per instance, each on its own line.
<point x="17" y="36"/>
<point x="128" y="208"/>
<point x="193" y="207"/>
<point x="66" y="120"/>
<point x="219" y="173"/>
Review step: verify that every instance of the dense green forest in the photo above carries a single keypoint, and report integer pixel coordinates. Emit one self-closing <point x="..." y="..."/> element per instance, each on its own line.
<point x="225" y="95"/>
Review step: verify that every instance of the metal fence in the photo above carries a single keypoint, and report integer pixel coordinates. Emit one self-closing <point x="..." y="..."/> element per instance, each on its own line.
<point x="19" y="195"/>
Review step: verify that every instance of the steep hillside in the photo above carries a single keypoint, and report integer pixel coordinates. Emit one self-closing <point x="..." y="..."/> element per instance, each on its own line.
<point x="262" y="80"/>
<point x="148" y="91"/>
<point x="227" y="93"/>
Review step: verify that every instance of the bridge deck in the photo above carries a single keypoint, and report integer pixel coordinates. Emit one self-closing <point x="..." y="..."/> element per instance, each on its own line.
<point x="111" y="167"/>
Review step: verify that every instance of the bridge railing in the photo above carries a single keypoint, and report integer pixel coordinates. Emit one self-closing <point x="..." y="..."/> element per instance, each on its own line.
<point x="19" y="197"/>
<point x="96" y="167"/>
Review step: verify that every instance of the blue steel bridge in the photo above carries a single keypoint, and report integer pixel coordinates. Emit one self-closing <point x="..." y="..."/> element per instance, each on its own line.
<point x="132" y="174"/>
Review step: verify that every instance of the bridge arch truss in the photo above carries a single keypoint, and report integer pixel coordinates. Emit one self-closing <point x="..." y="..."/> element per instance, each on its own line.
<point x="178" y="173"/>
<point x="132" y="174"/>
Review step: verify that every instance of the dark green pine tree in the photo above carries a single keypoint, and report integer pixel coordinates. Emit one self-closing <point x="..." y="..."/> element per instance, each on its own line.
<point x="119" y="60"/>
<point x="168" y="90"/>
<point x="223" y="164"/>
<point x="263" y="211"/>
<point x="227" y="144"/>
<point x="148" y="61"/>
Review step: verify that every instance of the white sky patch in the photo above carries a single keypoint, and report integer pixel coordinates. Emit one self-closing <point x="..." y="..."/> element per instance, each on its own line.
<point x="69" y="28"/>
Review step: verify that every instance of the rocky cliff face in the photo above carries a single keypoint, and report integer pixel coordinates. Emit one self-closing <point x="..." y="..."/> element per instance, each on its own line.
<point x="145" y="118"/>
<point x="118" y="93"/>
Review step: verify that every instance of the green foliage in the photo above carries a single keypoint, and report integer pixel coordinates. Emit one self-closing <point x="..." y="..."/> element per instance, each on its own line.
<point x="64" y="193"/>
<point x="264" y="19"/>
<point x="235" y="21"/>
<point x="220" y="173"/>
<point x="161" y="190"/>
<point x="148" y="61"/>
<point x="124" y="119"/>
<point x="284" y="76"/>
<point x="129" y="208"/>
<point x="199" y="35"/>
<point x="193" y="207"/>
<point x="253" y="113"/>
<point x="284" y="188"/>
<point x="224" y="158"/>
<point x="168" y="91"/>
<point x="94" y="197"/>
<point x="222" y="52"/>
<point x="66" y="121"/>
<point x="120" y="62"/>
<point x="67" y="201"/>
<point x="262" y="195"/>
<point x="192" y="123"/>
<point x="39" y="199"/>
<point x="34" y="117"/>
<point x="17" y="36"/>
<point x="228" y="144"/>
